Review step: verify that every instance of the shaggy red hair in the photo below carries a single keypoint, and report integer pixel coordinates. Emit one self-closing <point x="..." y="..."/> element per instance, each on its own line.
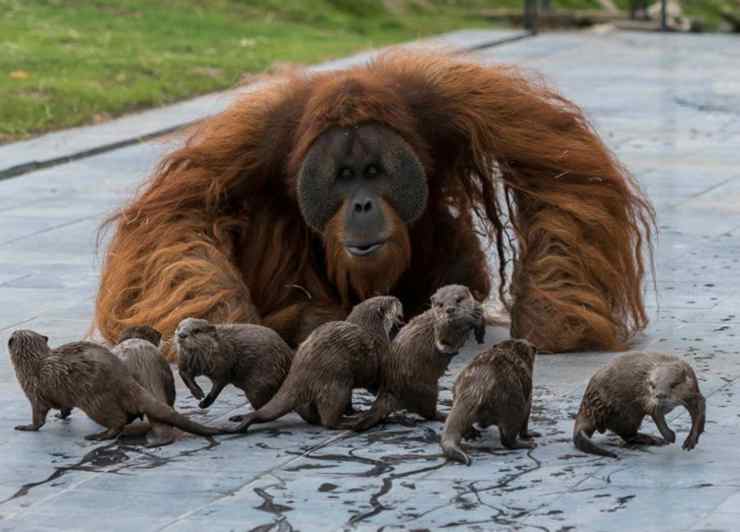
<point x="217" y="232"/>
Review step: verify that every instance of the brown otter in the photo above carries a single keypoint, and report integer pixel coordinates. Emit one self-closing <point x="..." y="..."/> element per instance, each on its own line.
<point x="420" y="355"/>
<point x="495" y="388"/>
<point x="138" y="348"/>
<point x="142" y="332"/>
<point x="253" y="358"/>
<point x="336" y="357"/>
<point x="90" y="377"/>
<point x="635" y="385"/>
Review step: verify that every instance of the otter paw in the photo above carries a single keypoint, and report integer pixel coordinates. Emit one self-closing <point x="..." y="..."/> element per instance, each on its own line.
<point x="237" y="419"/>
<point x="531" y="434"/>
<point x="28" y="428"/>
<point x="690" y="442"/>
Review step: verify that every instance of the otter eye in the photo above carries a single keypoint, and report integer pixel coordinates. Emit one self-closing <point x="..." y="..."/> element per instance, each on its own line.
<point x="460" y="299"/>
<point x="345" y="173"/>
<point x="372" y="170"/>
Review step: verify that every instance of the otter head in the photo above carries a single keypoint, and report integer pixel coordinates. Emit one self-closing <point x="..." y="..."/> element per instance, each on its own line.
<point x="523" y="349"/>
<point x="380" y="313"/>
<point x="141" y="332"/>
<point x="674" y="384"/>
<point x="24" y="341"/>
<point x="26" y="347"/>
<point x="456" y="312"/>
<point x="195" y="340"/>
<point x="671" y="384"/>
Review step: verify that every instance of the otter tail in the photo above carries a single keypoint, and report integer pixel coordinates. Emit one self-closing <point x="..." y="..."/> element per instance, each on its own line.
<point x="276" y="407"/>
<point x="159" y="411"/>
<point x="584" y="443"/>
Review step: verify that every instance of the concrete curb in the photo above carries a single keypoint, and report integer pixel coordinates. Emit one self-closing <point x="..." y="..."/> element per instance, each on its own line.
<point x="71" y="144"/>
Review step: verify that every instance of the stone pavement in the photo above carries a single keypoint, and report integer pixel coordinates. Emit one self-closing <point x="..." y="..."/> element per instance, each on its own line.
<point x="670" y="107"/>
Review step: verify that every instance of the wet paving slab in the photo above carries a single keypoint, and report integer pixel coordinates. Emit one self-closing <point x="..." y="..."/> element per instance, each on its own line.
<point x="669" y="105"/>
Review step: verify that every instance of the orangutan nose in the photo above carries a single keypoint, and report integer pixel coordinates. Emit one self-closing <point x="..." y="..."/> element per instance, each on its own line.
<point x="363" y="205"/>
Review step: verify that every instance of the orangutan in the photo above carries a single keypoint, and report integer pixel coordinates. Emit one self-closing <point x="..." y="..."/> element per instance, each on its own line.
<point x="320" y="190"/>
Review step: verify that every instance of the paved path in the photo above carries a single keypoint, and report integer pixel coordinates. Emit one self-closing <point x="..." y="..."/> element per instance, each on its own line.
<point x="668" y="104"/>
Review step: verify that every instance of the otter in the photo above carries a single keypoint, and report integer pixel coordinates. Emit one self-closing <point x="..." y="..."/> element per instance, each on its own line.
<point x="495" y="388"/>
<point x="138" y="348"/>
<point x="253" y="358"/>
<point x="336" y="357"/>
<point x="420" y="355"/>
<point x="88" y="376"/>
<point x="635" y="385"/>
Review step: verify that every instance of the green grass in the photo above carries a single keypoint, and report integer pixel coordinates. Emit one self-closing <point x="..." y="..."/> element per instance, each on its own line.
<point x="69" y="62"/>
<point x="706" y="12"/>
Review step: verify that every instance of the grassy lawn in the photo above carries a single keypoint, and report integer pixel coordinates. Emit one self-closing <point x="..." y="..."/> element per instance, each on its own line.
<point x="70" y="62"/>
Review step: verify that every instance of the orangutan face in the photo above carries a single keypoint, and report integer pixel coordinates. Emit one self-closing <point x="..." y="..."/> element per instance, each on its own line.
<point x="360" y="188"/>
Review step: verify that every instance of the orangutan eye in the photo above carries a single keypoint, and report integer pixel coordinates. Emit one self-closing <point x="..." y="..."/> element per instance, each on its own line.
<point x="372" y="170"/>
<point x="345" y="173"/>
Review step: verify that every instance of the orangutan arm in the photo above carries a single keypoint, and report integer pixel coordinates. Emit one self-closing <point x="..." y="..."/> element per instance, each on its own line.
<point x="580" y="223"/>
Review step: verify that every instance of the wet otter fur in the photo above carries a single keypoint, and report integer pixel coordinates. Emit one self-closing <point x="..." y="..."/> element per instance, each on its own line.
<point x="495" y="388"/>
<point x="336" y="357"/>
<point x="420" y="355"/>
<point x="632" y="386"/>
<point x="253" y="358"/>
<point x="138" y="348"/>
<point x="90" y="377"/>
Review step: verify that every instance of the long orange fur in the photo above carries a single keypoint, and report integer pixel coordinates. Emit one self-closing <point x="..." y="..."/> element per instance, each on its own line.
<point x="217" y="232"/>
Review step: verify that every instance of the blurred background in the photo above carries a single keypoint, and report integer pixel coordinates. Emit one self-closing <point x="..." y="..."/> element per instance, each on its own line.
<point x="65" y="63"/>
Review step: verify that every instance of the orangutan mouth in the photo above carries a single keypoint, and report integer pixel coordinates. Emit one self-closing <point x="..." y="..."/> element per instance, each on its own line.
<point x="363" y="249"/>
